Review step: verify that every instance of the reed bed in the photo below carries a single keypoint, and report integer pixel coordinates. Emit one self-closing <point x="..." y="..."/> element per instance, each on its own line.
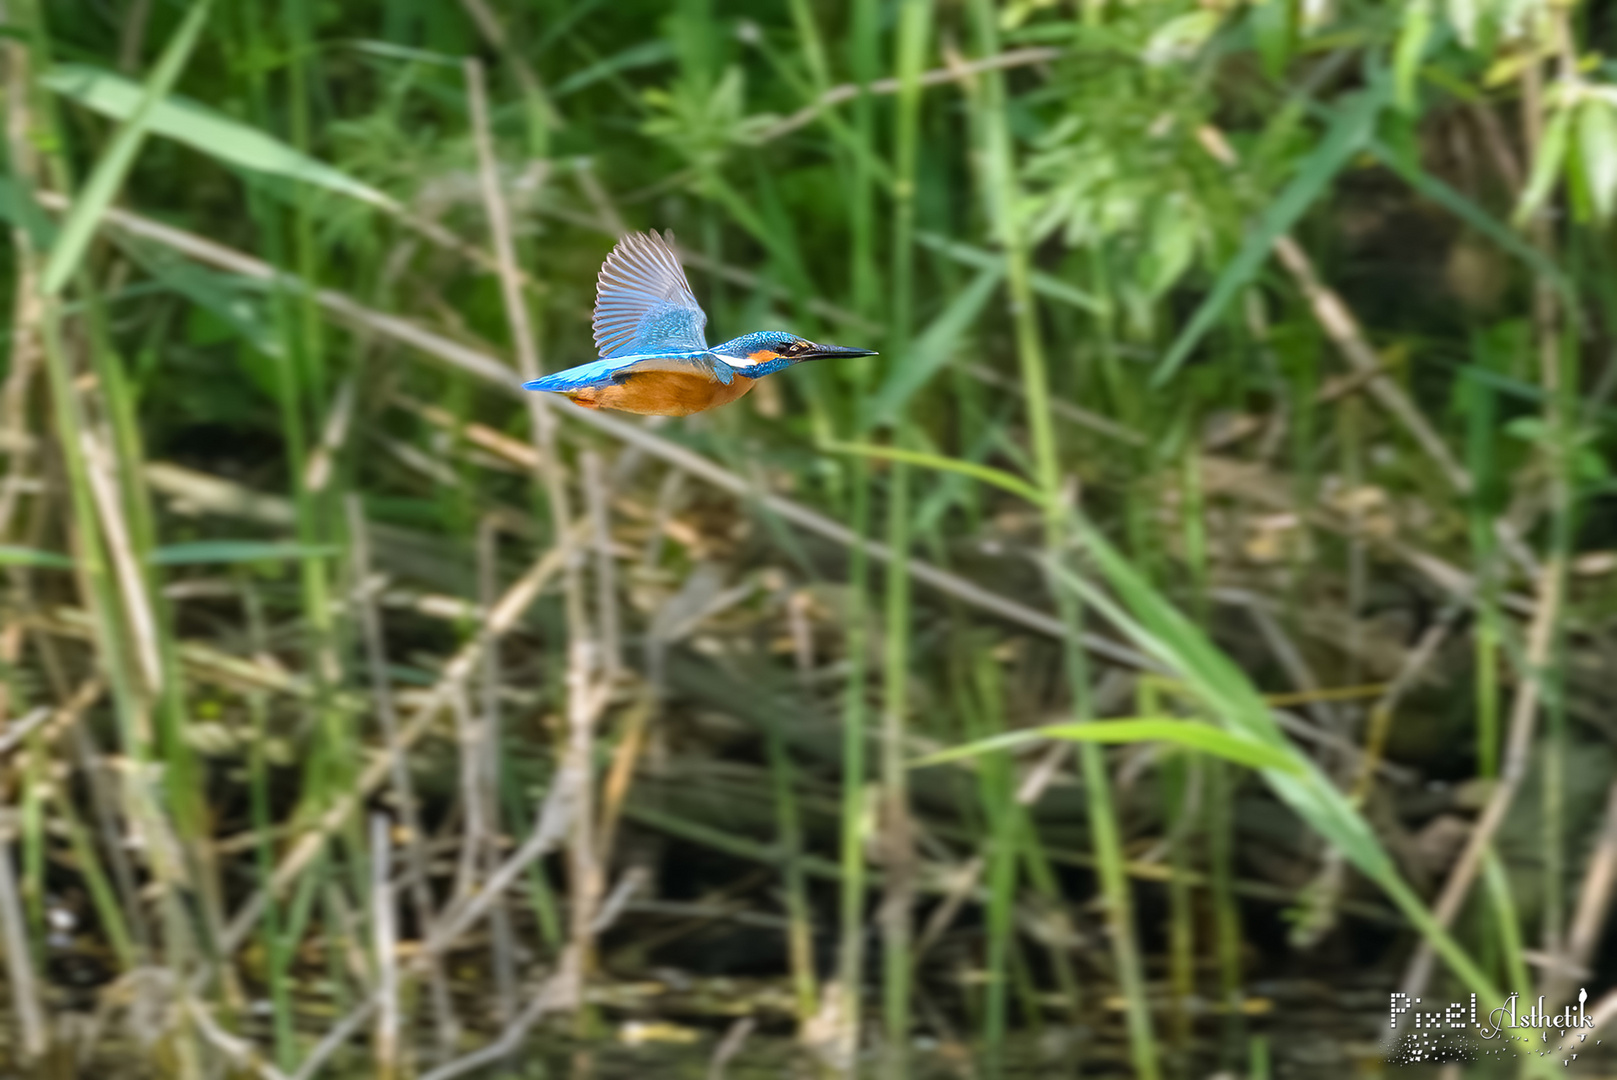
<point x="1193" y="627"/>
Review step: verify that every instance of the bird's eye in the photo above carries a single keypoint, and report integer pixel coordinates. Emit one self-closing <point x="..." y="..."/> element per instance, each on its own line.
<point x="793" y="348"/>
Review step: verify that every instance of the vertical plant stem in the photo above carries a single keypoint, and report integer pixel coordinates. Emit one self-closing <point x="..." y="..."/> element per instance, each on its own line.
<point x="1179" y="818"/>
<point x="897" y="843"/>
<point x="999" y="809"/>
<point x="276" y="959"/>
<point x="1558" y="381"/>
<point x="1226" y="911"/>
<point x="502" y="943"/>
<point x="999" y="178"/>
<point x="897" y="832"/>
<point x="384" y="941"/>
<point x="23" y="984"/>
<point x="577" y="771"/>
<point x="850" y="949"/>
<point x="788" y="822"/>
<point x="403" y="790"/>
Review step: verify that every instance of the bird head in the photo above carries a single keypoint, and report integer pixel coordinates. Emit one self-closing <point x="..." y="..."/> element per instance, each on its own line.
<point x="771" y="350"/>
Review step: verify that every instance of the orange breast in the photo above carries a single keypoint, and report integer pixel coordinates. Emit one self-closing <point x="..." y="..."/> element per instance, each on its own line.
<point x="662" y="393"/>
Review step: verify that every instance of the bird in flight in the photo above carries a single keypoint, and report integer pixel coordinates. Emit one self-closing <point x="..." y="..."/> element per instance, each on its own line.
<point x="655" y="358"/>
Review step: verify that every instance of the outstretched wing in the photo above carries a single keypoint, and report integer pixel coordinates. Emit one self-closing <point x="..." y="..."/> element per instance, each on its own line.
<point x="643" y="304"/>
<point x="615" y="369"/>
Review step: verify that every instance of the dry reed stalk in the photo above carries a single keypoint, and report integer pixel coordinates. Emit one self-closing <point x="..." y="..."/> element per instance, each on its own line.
<point x="239" y="1052"/>
<point x="404" y="800"/>
<point x="495" y="33"/>
<point x="502" y="942"/>
<point x="575" y="772"/>
<point x="954" y="73"/>
<point x="333" y="435"/>
<point x="513" y="603"/>
<point x="1518" y="746"/>
<point x="620" y="774"/>
<point x="549" y="998"/>
<point x="24" y="984"/>
<point x="27" y="352"/>
<point x="14" y="732"/>
<point x="1342" y="327"/>
<point x="384" y="942"/>
<point x="1589" y="919"/>
<point x="598" y="501"/>
<point x="336" y="1039"/>
<point x="101" y="468"/>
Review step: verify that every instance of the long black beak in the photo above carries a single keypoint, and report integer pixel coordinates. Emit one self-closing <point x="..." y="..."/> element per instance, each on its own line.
<point x="827" y="352"/>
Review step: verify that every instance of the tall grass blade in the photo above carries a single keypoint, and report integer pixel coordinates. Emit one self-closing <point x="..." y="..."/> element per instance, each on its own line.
<point x="203" y="129"/>
<point x="1347" y="135"/>
<point x="108" y="176"/>
<point x="1189" y="734"/>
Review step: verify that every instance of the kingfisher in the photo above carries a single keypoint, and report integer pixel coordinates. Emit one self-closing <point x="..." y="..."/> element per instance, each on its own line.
<point x="654" y="356"/>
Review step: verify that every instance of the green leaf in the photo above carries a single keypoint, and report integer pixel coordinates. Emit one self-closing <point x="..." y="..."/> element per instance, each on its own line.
<point x="986" y="473"/>
<point x="1413" y="35"/>
<point x="1546" y="166"/>
<point x="1190" y="734"/>
<point x="213" y="133"/>
<point x="1531" y="429"/>
<point x="236" y="551"/>
<point x="934" y="347"/>
<point x="1347" y="135"/>
<point x="1162" y="631"/>
<point x="1275" y="34"/>
<point x="645" y="54"/>
<point x="1047" y="285"/>
<point x="1597" y="146"/>
<point x="390" y="51"/>
<point x="108" y="175"/>
<point x="11" y="555"/>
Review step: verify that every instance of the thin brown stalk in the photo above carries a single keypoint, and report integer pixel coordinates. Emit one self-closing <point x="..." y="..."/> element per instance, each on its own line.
<point x="27" y="355"/>
<point x="475" y="835"/>
<point x="317" y="473"/>
<point x="502" y="943"/>
<point x="239" y="1052"/>
<point x="1590" y="919"/>
<point x="553" y="996"/>
<point x="336" y="1039"/>
<point x="552" y="825"/>
<point x="384" y="942"/>
<point x="598" y="499"/>
<point x="494" y="32"/>
<point x="24" y="984"/>
<point x="131" y="582"/>
<point x="16" y="731"/>
<point x="513" y="603"/>
<point x="1342" y="327"/>
<point x="403" y="792"/>
<point x="576" y="769"/>
<point x="1518" y="746"/>
<point x="620" y="775"/>
<point x="953" y="74"/>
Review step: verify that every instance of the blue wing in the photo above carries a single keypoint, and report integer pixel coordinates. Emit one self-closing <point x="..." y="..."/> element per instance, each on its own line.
<point x="643" y="304"/>
<point x="613" y="369"/>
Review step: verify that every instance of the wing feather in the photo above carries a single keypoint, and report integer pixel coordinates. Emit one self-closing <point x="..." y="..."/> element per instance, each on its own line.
<point x="643" y="302"/>
<point x="615" y="369"/>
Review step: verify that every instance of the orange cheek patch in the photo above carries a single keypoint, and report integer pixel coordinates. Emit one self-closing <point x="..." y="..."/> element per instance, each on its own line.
<point x="763" y="356"/>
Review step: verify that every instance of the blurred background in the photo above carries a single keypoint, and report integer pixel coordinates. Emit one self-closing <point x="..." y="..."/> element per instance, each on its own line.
<point x="1193" y="628"/>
